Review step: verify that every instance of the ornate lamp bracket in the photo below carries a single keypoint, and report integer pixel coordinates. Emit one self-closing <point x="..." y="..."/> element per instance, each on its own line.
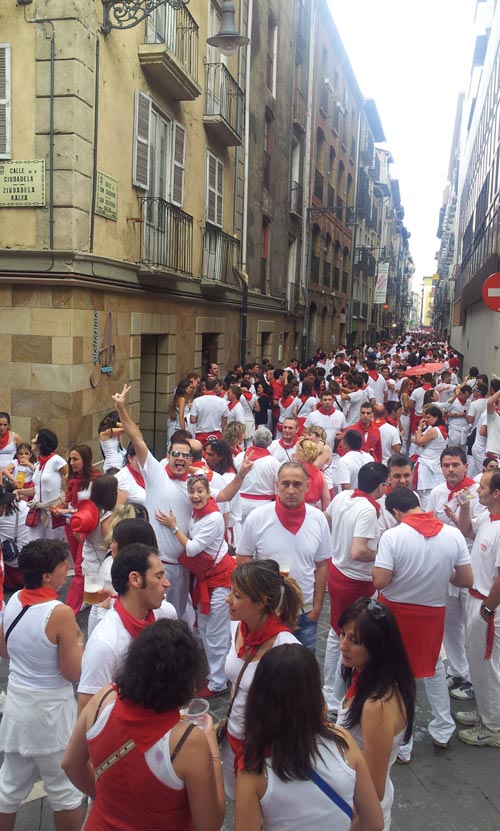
<point x="125" y="14"/>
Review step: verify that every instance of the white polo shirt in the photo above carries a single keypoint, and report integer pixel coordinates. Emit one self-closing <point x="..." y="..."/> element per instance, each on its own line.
<point x="352" y="517"/>
<point x="349" y="465"/>
<point x="421" y="566"/>
<point x="264" y="537"/>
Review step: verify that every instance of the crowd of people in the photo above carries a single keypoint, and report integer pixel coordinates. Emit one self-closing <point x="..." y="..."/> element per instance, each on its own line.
<point x="366" y="475"/>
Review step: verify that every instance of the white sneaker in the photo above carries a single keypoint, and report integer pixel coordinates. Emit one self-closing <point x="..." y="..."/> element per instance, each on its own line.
<point x="3" y="698"/>
<point x="480" y="736"/>
<point x="470" y="717"/>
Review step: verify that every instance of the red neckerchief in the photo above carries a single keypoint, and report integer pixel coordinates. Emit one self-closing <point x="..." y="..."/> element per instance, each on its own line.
<point x="304" y="398"/>
<point x="138" y="477"/>
<point x="392" y="421"/>
<point x="285" y="402"/>
<point x="271" y="627"/>
<point x="425" y="523"/>
<point x="133" y="626"/>
<point x="323" y="412"/>
<point x="232" y="405"/>
<point x="373" y="374"/>
<point x="143" y="724"/>
<point x="371" y="500"/>
<point x="173" y="476"/>
<point x="287" y="446"/>
<point x="236" y="450"/>
<point x="426" y="386"/>
<point x="465" y="483"/>
<point x="290" y="518"/>
<point x="30" y="597"/>
<point x="443" y="430"/>
<point x="378" y="421"/>
<point x="4" y="440"/>
<point x="463" y="401"/>
<point x="206" y="392"/>
<point x="71" y="495"/>
<point x="494" y="517"/>
<point x="253" y="453"/>
<point x="42" y="460"/>
<point x="210" y="508"/>
<point x="247" y="394"/>
<point x="353" y="688"/>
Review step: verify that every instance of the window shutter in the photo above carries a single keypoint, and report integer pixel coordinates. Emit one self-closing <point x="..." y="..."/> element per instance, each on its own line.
<point x="5" y="102"/>
<point x="215" y="183"/>
<point x="140" y="173"/>
<point x="179" y="165"/>
<point x="151" y="28"/>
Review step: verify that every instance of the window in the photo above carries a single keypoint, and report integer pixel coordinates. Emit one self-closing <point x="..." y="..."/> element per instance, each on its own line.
<point x="266" y="239"/>
<point x="268" y="148"/>
<point x="272" y="46"/>
<point x="159" y="152"/>
<point x="5" y="102"/>
<point x="161" y="26"/>
<point x="215" y="190"/>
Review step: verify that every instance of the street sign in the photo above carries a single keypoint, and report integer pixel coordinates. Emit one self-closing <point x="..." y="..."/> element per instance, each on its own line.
<point x="491" y="291"/>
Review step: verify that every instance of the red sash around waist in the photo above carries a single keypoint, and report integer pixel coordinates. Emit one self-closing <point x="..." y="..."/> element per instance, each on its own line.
<point x="343" y="591"/>
<point x="220" y="576"/>
<point x="263" y="496"/>
<point x="422" y="629"/>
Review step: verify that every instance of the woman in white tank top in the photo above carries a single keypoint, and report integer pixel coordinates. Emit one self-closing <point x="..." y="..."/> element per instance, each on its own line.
<point x="299" y="775"/>
<point x="8" y="441"/>
<point x="379" y="704"/>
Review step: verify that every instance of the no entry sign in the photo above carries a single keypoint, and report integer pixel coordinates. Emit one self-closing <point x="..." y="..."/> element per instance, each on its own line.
<point x="491" y="291"/>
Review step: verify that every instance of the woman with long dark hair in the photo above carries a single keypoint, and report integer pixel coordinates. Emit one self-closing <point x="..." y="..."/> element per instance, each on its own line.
<point x="263" y="608"/>
<point x="379" y="705"/>
<point x="430" y="438"/>
<point x="299" y="774"/>
<point x="178" y="410"/>
<point x="110" y="430"/>
<point x="170" y="779"/>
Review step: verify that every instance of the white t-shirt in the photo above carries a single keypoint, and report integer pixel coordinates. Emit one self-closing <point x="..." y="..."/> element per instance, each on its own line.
<point x="264" y="537"/>
<point x="304" y="408"/>
<point x="349" y="465"/>
<point x="458" y="426"/>
<point x="235" y="413"/>
<point x="417" y="396"/>
<point x="207" y="534"/>
<point x="261" y="479"/>
<point x="389" y="435"/>
<point x="356" y="399"/>
<point x="352" y="517"/>
<point x="421" y="566"/>
<point x="493" y="435"/>
<point x="438" y="498"/>
<point x="106" y="647"/>
<point x="379" y="387"/>
<point x="476" y="410"/>
<point x="332" y="423"/>
<point x="209" y="410"/>
<point x="126" y="482"/>
<point x="48" y="482"/>
<point x="282" y="454"/>
<point x="485" y="554"/>
<point x="164" y="494"/>
<point x="113" y="452"/>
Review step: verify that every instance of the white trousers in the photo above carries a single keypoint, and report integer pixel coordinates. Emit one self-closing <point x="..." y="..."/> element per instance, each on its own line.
<point x="334" y="687"/>
<point x="215" y="633"/>
<point x="442" y="726"/>
<point x="484" y="673"/>
<point x="454" y="633"/>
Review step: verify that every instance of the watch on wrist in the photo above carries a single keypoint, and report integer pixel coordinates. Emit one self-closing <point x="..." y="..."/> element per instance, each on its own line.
<point x="175" y="529"/>
<point x="488" y="611"/>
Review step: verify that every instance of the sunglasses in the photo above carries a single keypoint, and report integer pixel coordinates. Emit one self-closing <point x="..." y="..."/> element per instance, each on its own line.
<point x="376" y="609"/>
<point x="178" y="454"/>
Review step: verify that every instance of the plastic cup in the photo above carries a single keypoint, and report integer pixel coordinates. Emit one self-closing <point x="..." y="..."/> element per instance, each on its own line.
<point x="285" y="569"/>
<point x="93" y="589"/>
<point x="197" y="711"/>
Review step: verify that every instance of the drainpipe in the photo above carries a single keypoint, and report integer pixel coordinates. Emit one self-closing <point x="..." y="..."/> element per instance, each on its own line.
<point x="96" y="132"/>
<point x="51" y="138"/>
<point x="305" y="254"/>
<point x="244" y="234"/>
<point x="355" y="229"/>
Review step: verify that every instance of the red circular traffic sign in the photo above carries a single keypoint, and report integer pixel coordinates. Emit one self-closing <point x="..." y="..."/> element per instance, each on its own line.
<point x="491" y="291"/>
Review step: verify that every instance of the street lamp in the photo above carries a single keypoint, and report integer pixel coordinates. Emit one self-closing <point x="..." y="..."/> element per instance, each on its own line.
<point x="228" y="39"/>
<point x="125" y="14"/>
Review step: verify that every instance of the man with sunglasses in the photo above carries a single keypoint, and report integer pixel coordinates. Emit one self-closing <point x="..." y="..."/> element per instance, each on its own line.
<point x="166" y="489"/>
<point x="415" y="562"/>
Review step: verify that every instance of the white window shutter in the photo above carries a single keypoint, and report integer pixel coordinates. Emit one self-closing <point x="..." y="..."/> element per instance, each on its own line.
<point x="151" y="28"/>
<point x="178" y="165"/>
<point x="5" y="102"/>
<point x="220" y="186"/>
<point x="211" y="188"/>
<point x="142" y="120"/>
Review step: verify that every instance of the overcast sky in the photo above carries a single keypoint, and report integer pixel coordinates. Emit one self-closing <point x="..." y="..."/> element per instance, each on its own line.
<point x="412" y="57"/>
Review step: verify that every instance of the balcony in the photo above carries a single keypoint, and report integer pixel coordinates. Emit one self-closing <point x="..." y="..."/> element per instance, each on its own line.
<point x="173" y="65"/>
<point x="299" y="110"/>
<point x="223" y="105"/>
<point x="364" y="204"/>
<point x="318" y="185"/>
<point x="366" y="149"/>
<point x="167" y="241"/>
<point x="296" y="198"/>
<point x="221" y="253"/>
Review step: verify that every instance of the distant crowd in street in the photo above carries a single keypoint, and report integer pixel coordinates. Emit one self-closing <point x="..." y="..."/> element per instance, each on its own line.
<point x="370" y="473"/>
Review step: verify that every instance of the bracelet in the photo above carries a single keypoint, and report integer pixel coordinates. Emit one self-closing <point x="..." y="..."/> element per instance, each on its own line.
<point x="217" y="759"/>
